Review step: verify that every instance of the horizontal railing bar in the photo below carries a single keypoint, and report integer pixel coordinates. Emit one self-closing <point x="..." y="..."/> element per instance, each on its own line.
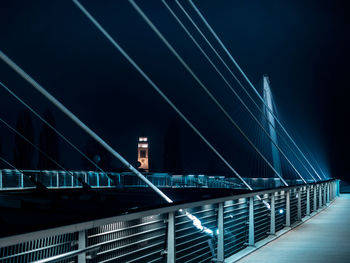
<point x="236" y="212"/>
<point x="190" y="247"/>
<point x="145" y="256"/>
<point x="191" y="260"/>
<point x="235" y="241"/>
<point x="234" y="251"/>
<point x="262" y="225"/>
<point x="235" y="218"/>
<point x="188" y="241"/>
<point x="187" y="255"/>
<point x="129" y="236"/>
<point x="190" y="221"/>
<point x="189" y="228"/>
<point x="126" y="245"/>
<point x="35" y="250"/>
<point x="129" y="253"/>
<point x="67" y="255"/>
<point x="244" y="227"/>
<point x="124" y="228"/>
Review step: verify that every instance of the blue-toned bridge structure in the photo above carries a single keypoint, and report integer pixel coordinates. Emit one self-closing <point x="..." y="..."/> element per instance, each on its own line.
<point x="274" y="202"/>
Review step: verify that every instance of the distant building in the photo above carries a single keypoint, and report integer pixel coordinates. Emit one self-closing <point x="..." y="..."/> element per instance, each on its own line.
<point x="142" y="154"/>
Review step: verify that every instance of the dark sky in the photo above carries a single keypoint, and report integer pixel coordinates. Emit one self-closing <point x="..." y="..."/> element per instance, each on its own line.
<point x="301" y="45"/>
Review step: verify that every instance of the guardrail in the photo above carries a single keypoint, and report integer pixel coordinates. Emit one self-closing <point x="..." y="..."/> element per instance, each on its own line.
<point x="167" y="235"/>
<point x="17" y="180"/>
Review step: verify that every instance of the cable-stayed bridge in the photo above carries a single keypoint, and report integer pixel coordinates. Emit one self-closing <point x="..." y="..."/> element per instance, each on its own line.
<point x="270" y="187"/>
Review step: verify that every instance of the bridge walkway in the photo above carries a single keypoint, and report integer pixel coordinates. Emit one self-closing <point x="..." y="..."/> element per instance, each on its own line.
<point x="324" y="238"/>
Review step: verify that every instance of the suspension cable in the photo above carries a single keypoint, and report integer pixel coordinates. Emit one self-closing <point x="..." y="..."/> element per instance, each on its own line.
<point x="76" y="120"/>
<point x="36" y="183"/>
<point x="80" y="180"/>
<point x="3" y="56"/>
<point x="252" y="86"/>
<point x="229" y="85"/>
<point x="169" y="46"/>
<point x="238" y="81"/>
<point x="156" y="88"/>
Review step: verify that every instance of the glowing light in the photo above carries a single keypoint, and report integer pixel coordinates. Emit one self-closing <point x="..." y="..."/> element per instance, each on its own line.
<point x="281" y="211"/>
<point x="143" y="145"/>
<point x="208" y="231"/>
<point x="143" y="139"/>
<point x="198" y="224"/>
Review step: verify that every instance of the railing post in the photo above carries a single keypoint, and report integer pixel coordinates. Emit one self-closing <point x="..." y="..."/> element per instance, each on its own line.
<point x="319" y="196"/>
<point x="288" y="208"/>
<point x="338" y="188"/>
<point x="72" y="180"/>
<point x="220" y="252"/>
<point x="171" y="238"/>
<point x="315" y="197"/>
<point x="335" y="189"/>
<point x="307" y="200"/>
<point x="328" y="190"/>
<point x="82" y="245"/>
<point x="325" y="194"/>
<point x="251" y="241"/>
<point x="299" y="204"/>
<point x="21" y="186"/>
<point x="0" y="179"/>
<point x="272" y="215"/>
<point x="57" y="180"/>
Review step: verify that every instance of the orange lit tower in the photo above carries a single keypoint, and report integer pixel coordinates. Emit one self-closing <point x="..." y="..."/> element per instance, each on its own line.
<point x="142" y="153"/>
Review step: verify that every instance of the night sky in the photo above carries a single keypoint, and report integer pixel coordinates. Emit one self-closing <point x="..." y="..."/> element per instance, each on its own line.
<point x="301" y="45"/>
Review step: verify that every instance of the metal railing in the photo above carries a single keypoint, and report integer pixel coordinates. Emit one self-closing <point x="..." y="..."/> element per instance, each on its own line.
<point x="14" y="179"/>
<point x="167" y="235"/>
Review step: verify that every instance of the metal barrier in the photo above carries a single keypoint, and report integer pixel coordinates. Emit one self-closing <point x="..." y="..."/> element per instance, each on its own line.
<point x="167" y="235"/>
<point x="14" y="179"/>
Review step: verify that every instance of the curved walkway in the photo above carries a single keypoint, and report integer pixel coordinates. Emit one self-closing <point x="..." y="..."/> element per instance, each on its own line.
<point x="324" y="238"/>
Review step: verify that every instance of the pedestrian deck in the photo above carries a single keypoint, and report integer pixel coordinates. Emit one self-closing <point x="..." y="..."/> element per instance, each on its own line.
<point x="323" y="238"/>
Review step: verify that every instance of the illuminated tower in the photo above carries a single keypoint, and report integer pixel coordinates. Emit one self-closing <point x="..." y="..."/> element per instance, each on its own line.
<point x="142" y="153"/>
<point x="272" y="128"/>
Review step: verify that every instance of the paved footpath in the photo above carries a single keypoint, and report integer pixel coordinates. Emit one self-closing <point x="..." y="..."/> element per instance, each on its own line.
<point x="325" y="238"/>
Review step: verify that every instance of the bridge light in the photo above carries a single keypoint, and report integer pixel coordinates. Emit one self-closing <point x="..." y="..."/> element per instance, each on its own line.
<point x="281" y="211"/>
